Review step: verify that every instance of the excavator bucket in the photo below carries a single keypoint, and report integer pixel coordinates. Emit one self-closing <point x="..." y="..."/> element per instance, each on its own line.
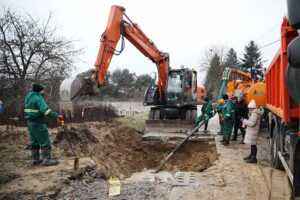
<point x="72" y="89"/>
<point x="172" y="130"/>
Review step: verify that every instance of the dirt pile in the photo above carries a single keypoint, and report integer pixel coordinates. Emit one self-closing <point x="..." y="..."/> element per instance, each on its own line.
<point x="14" y="134"/>
<point x="119" y="150"/>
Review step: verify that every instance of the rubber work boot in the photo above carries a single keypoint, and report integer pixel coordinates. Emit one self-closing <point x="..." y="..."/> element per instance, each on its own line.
<point x="252" y="160"/>
<point x="47" y="161"/>
<point x="35" y="152"/>
<point x="226" y="141"/>
<point x="248" y="157"/>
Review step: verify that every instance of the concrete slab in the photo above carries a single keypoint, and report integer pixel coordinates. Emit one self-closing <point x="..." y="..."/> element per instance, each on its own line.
<point x="150" y="176"/>
<point x="184" y="179"/>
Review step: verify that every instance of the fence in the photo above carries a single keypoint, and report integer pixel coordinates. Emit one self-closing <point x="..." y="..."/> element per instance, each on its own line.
<point x="82" y="113"/>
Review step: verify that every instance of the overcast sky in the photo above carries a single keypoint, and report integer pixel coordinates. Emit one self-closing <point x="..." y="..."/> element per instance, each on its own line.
<point x="182" y="28"/>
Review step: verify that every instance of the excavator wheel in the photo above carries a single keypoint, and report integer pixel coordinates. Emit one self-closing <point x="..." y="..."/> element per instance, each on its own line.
<point x="151" y="114"/>
<point x="157" y="114"/>
<point x="194" y="115"/>
<point x="188" y="115"/>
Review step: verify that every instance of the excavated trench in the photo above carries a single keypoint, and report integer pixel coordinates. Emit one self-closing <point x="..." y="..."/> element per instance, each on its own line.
<point x="119" y="150"/>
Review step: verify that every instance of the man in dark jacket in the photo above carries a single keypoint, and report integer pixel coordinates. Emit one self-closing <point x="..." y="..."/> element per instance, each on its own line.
<point x="240" y="111"/>
<point x="37" y="112"/>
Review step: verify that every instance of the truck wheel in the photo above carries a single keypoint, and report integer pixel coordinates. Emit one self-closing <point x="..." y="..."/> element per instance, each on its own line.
<point x="296" y="185"/>
<point x="151" y="114"/>
<point x="276" y="163"/>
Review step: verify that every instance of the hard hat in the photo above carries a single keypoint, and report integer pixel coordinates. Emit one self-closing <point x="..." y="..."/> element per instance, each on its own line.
<point x="252" y="104"/>
<point x="221" y="101"/>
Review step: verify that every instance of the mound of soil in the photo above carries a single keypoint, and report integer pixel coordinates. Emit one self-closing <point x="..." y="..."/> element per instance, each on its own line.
<point x="119" y="150"/>
<point x="13" y="134"/>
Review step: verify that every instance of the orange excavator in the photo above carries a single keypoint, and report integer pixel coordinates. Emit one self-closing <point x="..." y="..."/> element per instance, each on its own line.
<point x="172" y="97"/>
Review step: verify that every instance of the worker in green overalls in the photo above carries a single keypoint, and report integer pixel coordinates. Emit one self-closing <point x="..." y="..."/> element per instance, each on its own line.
<point x="227" y="118"/>
<point x="37" y="112"/>
<point x="218" y="109"/>
<point x="206" y="113"/>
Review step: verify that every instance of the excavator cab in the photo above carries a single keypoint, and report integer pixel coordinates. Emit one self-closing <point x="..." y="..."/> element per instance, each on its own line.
<point x="181" y="87"/>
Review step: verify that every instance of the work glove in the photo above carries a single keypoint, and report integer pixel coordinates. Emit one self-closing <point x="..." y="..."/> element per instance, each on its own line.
<point x="61" y="120"/>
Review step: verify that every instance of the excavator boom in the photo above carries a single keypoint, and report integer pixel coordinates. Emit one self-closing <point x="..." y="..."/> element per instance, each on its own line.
<point x="117" y="27"/>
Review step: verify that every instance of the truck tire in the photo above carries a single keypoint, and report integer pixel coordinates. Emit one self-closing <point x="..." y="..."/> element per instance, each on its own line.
<point x="293" y="13"/>
<point x="292" y="82"/>
<point x="276" y="163"/>
<point x="296" y="184"/>
<point x="294" y="53"/>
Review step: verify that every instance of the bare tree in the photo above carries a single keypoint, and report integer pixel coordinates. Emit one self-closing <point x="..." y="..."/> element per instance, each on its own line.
<point x="212" y="65"/>
<point x="30" y="52"/>
<point x="209" y="53"/>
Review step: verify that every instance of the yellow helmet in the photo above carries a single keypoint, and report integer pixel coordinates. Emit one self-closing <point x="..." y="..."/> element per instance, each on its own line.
<point x="221" y="101"/>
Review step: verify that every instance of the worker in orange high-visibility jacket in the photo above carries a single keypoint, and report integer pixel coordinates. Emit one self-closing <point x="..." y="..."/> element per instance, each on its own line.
<point x="37" y="112"/>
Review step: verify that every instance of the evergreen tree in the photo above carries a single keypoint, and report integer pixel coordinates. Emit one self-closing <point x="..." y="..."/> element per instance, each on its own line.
<point x="231" y="59"/>
<point x="214" y="76"/>
<point x="251" y="61"/>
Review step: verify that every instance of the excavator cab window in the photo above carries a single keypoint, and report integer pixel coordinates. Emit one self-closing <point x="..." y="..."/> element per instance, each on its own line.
<point x="188" y="80"/>
<point x="174" y="89"/>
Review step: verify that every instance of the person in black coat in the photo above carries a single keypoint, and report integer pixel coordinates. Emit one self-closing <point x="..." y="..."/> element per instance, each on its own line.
<point x="240" y="111"/>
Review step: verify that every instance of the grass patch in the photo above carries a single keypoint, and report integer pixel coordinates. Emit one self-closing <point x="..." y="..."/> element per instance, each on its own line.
<point x="139" y="125"/>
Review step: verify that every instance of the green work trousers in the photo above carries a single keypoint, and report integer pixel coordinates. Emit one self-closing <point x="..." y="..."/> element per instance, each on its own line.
<point x="38" y="134"/>
<point x="221" y="127"/>
<point x="227" y="127"/>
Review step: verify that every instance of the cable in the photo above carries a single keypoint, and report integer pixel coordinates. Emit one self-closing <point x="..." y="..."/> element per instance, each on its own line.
<point x="269" y="44"/>
<point x="268" y="31"/>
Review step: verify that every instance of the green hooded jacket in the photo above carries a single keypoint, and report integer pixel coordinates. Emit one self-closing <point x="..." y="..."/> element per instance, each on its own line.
<point x="219" y="108"/>
<point x="228" y="116"/>
<point x="228" y="110"/>
<point x="36" y="109"/>
<point x="206" y="112"/>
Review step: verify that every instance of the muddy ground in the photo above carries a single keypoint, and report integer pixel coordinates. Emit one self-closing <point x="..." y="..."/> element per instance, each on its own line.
<point x="108" y="149"/>
<point x="105" y="149"/>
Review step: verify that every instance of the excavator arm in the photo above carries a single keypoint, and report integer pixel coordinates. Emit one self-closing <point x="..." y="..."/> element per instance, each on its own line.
<point x="118" y="28"/>
<point x="226" y="76"/>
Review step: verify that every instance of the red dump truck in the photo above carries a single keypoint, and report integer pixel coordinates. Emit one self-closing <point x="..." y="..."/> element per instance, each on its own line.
<point x="283" y="101"/>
